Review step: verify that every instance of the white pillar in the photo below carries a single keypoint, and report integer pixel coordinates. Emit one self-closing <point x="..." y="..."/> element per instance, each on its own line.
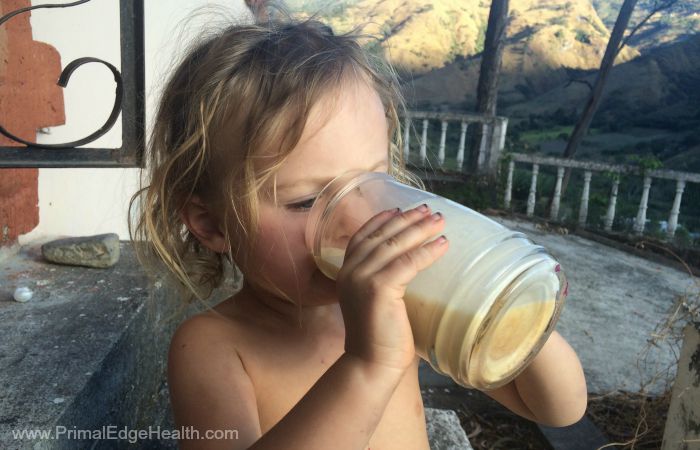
<point x="483" y="145"/>
<point x="509" y="184"/>
<point x="610" y="216"/>
<point x="533" y="191"/>
<point x="424" y="142"/>
<point x="557" y="195"/>
<point x="443" y="136"/>
<point x="406" y="136"/>
<point x="642" y="213"/>
<point x="676" y="209"/>
<point x="583" y="209"/>
<point x="496" y="145"/>
<point x="462" y="141"/>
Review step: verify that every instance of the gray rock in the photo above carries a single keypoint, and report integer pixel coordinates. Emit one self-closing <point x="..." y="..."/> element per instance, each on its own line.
<point x="99" y="251"/>
<point x="444" y="430"/>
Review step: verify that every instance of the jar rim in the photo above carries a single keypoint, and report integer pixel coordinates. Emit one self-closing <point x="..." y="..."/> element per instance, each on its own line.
<point x="328" y="197"/>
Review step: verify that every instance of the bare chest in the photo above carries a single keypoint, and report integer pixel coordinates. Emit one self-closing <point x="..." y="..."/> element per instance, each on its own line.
<point x="283" y="377"/>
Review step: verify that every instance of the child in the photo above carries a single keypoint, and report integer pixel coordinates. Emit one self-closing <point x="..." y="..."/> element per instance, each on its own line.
<point x="252" y="124"/>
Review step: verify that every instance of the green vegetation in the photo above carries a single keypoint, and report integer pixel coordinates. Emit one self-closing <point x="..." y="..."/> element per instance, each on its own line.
<point x="561" y="20"/>
<point x="480" y="39"/>
<point x="583" y="37"/>
<point x="537" y="136"/>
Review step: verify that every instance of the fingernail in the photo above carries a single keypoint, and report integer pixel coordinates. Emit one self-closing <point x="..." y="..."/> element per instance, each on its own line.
<point x="441" y="240"/>
<point x="423" y="208"/>
<point x="437" y="216"/>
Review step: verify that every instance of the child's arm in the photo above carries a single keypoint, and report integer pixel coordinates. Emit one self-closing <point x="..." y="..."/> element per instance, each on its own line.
<point x="551" y="390"/>
<point x="210" y="390"/>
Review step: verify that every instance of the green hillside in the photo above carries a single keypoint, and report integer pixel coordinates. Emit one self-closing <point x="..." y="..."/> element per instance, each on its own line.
<point x="674" y="24"/>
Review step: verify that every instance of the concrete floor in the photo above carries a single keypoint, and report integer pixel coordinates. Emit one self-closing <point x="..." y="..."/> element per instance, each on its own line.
<point x="615" y="302"/>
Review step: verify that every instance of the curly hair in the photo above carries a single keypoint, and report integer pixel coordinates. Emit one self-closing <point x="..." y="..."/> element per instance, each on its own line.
<point x="246" y="88"/>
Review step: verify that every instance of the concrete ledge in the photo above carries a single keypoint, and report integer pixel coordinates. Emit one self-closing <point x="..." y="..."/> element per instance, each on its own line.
<point x="89" y="350"/>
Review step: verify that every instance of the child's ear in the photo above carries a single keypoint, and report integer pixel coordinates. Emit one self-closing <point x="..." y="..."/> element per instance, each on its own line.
<point x="204" y="225"/>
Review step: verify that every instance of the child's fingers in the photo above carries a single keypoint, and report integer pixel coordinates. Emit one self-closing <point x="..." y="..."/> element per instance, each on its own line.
<point x="370" y="227"/>
<point x="400" y="271"/>
<point x="401" y="242"/>
<point x="378" y="229"/>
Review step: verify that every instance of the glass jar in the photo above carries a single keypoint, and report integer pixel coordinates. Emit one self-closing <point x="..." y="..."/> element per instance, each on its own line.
<point x="482" y="311"/>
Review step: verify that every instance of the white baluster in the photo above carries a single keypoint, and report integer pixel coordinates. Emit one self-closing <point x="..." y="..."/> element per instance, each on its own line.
<point x="610" y="215"/>
<point x="554" y="213"/>
<point x="441" y="149"/>
<point x="509" y="183"/>
<point x="642" y="213"/>
<point x="483" y="145"/>
<point x="406" y="136"/>
<point x="676" y="209"/>
<point x="533" y="190"/>
<point x="424" y="142"/>
<point x="496" y="145"/>
<point x="583" y="210"/>
<point x="462" y="141"/>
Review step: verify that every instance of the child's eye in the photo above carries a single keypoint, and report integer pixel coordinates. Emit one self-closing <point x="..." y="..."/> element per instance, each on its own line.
<point x="302" y="206"/>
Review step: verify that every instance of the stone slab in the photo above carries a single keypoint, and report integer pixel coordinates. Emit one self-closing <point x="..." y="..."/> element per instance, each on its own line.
<point x="445" y="431"/>
<point x="100" y="251"/>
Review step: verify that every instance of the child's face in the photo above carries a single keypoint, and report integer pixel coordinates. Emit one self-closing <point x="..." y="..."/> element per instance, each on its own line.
<point x="349" y="132"/>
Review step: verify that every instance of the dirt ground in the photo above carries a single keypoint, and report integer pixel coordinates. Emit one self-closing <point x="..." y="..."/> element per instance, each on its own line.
<point x="629" y="421"/>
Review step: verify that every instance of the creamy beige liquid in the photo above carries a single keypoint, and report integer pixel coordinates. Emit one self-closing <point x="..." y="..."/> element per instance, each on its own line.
<point x="512" y="335"/>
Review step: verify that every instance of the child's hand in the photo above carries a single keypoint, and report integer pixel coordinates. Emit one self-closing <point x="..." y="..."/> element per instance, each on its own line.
<point x="382" y="257"/>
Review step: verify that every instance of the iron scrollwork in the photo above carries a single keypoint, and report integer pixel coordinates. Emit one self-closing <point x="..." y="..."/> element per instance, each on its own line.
<point x="65" y="154"/>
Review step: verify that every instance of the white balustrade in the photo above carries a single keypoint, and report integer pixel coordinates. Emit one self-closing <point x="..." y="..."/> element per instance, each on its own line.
<point x="640" y="222"/>
<point x="533" y="191"/>
<point x="441" y="149"/>
<point x="610" y="215"/>
<point x="424" y="142"/>
<point x="490" y="144"/>
<point x="509" y="184"/>
<point x="406" y="136"/>
<point x="676" y="209"/>
<point x="462" y="141"/>
<point x="583" y="209"/>
<point x="554" y="212"/>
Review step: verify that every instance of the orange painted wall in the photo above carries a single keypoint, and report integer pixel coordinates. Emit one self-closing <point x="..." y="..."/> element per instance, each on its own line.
<point x="29" y="100"/>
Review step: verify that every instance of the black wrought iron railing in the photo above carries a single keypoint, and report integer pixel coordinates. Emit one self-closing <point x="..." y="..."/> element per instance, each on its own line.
<point x="128" y="102"/>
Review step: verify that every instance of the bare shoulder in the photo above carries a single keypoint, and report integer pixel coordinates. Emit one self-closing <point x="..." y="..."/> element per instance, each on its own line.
<point x="209" y="386"/>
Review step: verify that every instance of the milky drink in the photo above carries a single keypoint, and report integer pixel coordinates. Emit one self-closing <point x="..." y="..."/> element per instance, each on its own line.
<point x="479" y="313"/>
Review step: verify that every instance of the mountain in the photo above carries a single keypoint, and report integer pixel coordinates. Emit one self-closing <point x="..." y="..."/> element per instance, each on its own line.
<point x="548" y="43"/>
<point x="418" y="36"/>
<point x="659" y="87"/>
<point x="674" y="24"/>
<point x="414" y="35"/>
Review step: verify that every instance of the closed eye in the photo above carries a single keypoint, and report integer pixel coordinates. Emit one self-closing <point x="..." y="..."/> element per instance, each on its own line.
<point x="302" y="206"/>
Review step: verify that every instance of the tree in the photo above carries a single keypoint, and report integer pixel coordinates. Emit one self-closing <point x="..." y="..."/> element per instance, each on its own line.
<point x="259" y="9"/>
<point x="615" y="44"/>
<point x="487" y="89"/>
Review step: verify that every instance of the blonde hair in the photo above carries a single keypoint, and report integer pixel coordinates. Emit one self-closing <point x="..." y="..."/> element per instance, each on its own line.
<point x="246" y="89"/>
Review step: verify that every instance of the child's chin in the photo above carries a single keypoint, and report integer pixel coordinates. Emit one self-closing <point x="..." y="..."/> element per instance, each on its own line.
<point x="322" y="289"/>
